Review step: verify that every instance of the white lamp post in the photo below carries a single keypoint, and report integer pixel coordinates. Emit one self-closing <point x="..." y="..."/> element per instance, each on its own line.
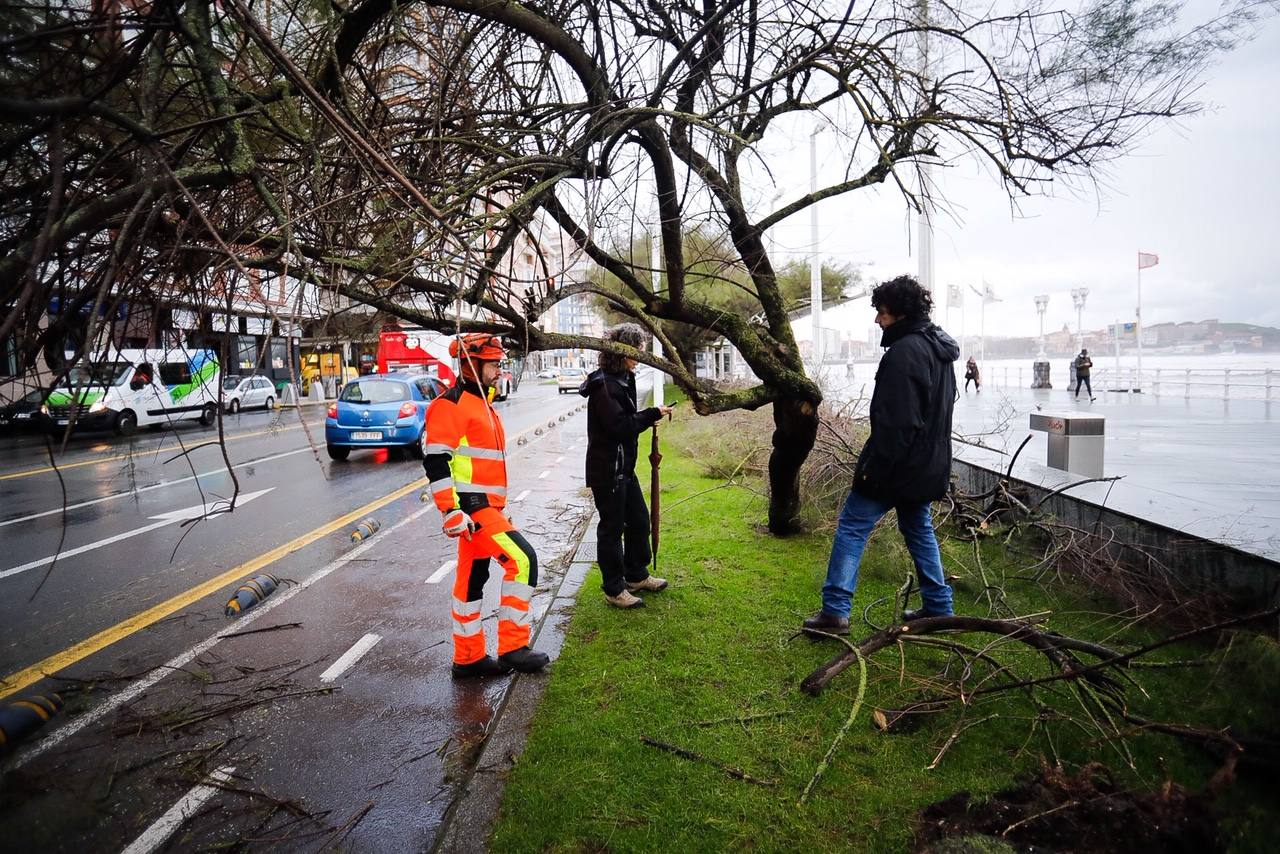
<point x="1077" y="299"/>
<point x="1042" y="305"/>
<point x="1040" y="368"/>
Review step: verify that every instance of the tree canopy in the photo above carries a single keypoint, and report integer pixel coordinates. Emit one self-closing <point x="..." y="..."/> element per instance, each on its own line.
<point x="400" y="153"/>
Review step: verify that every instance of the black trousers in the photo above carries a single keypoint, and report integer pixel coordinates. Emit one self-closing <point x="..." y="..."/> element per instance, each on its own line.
<point x="1085" y="381"/>
<point x="622" y="535"/>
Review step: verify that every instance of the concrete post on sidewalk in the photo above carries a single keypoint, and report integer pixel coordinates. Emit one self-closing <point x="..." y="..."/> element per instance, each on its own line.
<point x="1076" y="441"/>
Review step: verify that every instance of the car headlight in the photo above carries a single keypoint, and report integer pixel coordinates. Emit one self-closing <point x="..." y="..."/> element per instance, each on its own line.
<point x="44" y="409"/>
<point x="97" y="406"/>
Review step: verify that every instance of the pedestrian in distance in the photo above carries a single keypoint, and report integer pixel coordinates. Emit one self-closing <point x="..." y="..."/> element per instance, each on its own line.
<point x="614" y="425"/>
<point x="466" y="464"/>
<point x="971" y="374"/>
<point x="1083" y="365"/>
<point x="905" y="464"/>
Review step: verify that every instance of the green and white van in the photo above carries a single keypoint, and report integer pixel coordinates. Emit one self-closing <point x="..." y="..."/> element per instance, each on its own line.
<point x="123" y="389"/>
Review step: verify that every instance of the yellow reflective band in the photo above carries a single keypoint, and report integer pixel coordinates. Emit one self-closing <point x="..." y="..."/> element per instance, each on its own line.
<point x="522" y="565"/>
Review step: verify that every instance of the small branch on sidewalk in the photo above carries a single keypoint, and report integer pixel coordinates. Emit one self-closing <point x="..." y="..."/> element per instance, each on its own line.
<point x="274" y="628"/>
<point x="698" y="757"/>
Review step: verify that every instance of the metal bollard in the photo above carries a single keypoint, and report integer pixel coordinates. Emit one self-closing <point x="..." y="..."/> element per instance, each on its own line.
<point x="366" y="528"/>
<point x="26" y="715"/>
<point x="251" y="593"/>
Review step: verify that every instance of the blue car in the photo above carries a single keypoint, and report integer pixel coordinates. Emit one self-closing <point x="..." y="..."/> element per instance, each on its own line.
<point x="380" y="411"/>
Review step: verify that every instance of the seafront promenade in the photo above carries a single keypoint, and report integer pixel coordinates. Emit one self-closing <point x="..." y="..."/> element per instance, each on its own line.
<point x="1206" y="467"/>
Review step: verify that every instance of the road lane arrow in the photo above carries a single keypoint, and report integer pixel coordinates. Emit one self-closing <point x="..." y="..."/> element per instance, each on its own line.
<point x="213" y="511"/>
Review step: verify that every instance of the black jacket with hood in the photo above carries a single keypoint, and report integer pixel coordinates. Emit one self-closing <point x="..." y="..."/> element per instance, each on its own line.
<point x="907" y="458"/>
<point x="613" y="426"/>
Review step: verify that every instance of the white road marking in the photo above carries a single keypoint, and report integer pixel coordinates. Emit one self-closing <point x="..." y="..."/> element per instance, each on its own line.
<point x="350" y="657"/>
<point x="128" y="695"/>
<point x="132" y="492"/>
<point x="441" y="572"/>
<point x="158" y="833"/>
<point x="521" y="497"/>
<point x="168" y="518"/>
<point x="543" y="475"/>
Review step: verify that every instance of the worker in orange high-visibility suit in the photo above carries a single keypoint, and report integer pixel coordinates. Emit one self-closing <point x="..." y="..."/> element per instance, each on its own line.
<point x="466" y="463"/>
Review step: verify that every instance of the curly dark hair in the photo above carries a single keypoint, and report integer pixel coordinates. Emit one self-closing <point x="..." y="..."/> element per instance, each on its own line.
<point x="903" y="297"/>
<point x="631" y="334"/>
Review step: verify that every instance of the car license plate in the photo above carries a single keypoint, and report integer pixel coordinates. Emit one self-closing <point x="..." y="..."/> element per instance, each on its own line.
<point x="63" y="422"/>
<point x="366" y="436"/>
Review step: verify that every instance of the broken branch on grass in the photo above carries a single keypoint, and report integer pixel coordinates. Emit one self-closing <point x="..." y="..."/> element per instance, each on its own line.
<point x="698" y="757"/>
<point x="853" y="713"/>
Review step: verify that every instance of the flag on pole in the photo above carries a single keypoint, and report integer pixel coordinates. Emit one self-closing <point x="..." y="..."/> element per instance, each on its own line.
<point x="1147" y="259"/>
<point x="987" y="293"/>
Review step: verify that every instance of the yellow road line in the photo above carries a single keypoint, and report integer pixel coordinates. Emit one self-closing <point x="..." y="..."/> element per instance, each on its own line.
<point x="103" y="639"/>
<point x="98" y="460"/>
<point x="15" y="682"/>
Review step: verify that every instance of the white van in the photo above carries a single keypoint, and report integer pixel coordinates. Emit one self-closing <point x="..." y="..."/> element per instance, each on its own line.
<point x="123" y="389"/>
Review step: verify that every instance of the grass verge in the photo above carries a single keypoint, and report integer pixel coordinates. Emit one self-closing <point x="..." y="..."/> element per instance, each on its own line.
<point x="713" y="665"/>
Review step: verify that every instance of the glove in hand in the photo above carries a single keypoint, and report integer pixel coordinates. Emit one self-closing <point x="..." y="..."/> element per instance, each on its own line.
<point x="459" y="524"/>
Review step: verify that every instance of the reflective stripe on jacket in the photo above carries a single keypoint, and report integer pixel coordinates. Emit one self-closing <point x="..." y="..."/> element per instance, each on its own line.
<point x="465" y="450"/>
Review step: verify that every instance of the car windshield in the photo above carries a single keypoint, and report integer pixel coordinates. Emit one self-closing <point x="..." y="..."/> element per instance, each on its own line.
<point x="374" y="391"/>
<point x="230" y="383"/>
<point x="103" y="373"/>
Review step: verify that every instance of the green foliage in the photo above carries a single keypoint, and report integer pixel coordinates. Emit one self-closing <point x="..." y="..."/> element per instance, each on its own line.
<point x="716" y="278"/>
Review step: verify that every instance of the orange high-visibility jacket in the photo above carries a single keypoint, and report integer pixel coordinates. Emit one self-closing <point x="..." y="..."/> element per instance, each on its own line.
<point x="465" y="454"/>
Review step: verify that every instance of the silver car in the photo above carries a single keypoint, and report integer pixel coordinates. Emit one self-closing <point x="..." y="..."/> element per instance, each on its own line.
<point x="569" y="379"/>
<point x="241" y="392"/>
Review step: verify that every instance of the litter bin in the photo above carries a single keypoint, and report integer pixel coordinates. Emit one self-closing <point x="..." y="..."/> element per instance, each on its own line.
<point x="1075" y="441"/>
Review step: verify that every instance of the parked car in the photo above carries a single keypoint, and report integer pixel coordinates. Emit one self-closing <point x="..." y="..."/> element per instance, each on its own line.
<point x="23" y="413"/>
<point x="241" y="392"/>
<point x="380" y="411"/>
<point x="569" y="379"/>
<point x="547" y="374"/>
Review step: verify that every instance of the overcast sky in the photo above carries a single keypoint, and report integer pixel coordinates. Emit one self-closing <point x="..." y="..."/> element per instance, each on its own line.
<point x="1203" y="194"/>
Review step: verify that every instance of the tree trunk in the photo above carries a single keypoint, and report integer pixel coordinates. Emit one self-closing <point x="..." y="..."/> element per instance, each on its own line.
<point x="795" y="430"/>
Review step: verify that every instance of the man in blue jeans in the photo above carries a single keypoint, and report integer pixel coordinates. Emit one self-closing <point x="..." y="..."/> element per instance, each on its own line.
<point x="906" y="462"/>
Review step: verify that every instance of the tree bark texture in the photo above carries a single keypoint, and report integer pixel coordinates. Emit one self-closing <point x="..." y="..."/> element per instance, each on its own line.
<point x="795" y="431"/>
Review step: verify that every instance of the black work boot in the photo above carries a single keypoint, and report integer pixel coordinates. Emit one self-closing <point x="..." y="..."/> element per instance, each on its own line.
<point x="480" y="668"/>
<point x="525" y="660"/>
<point x="829" y="623"/>
<point x="918" y="613"/>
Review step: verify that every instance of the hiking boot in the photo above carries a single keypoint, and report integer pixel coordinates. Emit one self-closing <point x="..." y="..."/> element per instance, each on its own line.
<point x="829" y="623"/>
<point x="525" y="660"/>
<point x="652" y="584"/>
<point x="625" y="599"/>
<point x="918" y="613"/>
<point x="480" y="668"/>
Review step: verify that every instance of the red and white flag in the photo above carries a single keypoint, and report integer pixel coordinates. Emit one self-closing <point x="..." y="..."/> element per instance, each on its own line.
<point x="1147" y="259"/>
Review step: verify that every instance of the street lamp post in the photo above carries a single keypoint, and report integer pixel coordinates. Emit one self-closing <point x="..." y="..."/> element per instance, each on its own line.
<point x="1040" y="368"/>
<point x="1077" y="299"/>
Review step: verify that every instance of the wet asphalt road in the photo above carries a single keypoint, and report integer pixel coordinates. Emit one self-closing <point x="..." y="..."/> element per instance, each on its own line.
<point x="374" y="753"/>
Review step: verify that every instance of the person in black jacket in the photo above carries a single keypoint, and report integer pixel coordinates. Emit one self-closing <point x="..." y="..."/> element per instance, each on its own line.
<point x="906" y="461"/>
<point x="613" y="432"/>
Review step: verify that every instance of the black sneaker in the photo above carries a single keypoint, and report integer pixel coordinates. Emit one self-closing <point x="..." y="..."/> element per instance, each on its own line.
<point x="525" y="660"/>
<point x="479" y="669"/>
<point x="829" y="623"/>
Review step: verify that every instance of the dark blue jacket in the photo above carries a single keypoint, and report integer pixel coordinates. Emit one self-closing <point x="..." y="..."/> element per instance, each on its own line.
<point x="614" y="426"/>
<point x="907" y="458"/>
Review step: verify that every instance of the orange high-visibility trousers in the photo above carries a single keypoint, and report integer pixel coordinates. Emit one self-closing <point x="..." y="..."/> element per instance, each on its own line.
<point x="497" y="540"/>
